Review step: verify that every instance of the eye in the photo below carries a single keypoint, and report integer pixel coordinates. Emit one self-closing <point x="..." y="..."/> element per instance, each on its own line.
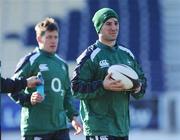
<point x="116" y="23"/>
<point x="49" y="37"/>
<point x="108" y="23"/>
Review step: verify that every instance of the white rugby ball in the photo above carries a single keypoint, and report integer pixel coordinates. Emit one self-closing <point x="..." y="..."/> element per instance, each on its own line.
<point x="124" y="73"/>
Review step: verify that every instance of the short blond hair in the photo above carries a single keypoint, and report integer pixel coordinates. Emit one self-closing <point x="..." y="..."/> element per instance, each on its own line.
<point x="49" y="24"/>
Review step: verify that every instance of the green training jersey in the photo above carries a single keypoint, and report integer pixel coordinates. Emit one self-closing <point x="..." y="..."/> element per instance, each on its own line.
<point x="104" y="112"/>
<point x="50" y="114"/>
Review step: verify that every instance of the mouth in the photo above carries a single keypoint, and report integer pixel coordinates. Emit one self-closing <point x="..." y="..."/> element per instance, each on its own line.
<point x="52" y="46"/>
<point x="113" y="34"/>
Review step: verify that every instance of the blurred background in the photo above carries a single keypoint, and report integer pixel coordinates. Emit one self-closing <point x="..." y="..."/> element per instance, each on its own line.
<point x="149" y="28"/>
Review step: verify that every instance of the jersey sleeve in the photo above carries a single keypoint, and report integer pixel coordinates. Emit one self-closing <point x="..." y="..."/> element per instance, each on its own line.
<point x="68" y="100"/>
<point x="142" y="81"/>
<point x="22" y="97"/>
<point x="83" y="82"/>
<point x="136" y="66"/>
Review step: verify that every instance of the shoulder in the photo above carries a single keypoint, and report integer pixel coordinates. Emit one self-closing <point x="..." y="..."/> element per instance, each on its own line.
<point x="89" y="53"/>
<point x="61" y="60"/>
<point x="126" y="50"/>
<point x="29" y="58"/>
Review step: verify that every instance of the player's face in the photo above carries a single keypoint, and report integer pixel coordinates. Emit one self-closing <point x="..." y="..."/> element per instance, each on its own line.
<point x="109" y="30"/>
<point x="50" y="41"/>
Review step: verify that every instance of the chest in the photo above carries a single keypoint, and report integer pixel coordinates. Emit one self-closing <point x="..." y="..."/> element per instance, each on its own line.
<point x="107" y="58"/>
<point x="53" y="71"/>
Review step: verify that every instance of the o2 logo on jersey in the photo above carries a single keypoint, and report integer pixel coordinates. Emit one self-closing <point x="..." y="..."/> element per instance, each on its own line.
<point x="56" y="86"/>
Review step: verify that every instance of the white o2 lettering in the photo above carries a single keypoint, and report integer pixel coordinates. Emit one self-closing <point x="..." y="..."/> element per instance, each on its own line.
<point x="57" y="82"/>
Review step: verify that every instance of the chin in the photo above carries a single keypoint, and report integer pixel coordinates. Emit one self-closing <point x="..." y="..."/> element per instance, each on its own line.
<point x="112" y="39"/>
<point x="51" y="51"/>
<point x="54" y="51"/>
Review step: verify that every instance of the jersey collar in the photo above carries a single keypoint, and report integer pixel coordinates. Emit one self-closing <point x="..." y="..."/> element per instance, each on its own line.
<point x="104" y="46"/>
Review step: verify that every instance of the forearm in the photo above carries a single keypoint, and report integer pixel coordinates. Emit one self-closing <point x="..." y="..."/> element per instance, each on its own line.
<point x="69" y="106"/>
<point x="13" y="86"/>
<point x="87" y="90"/>
<point x="141" y="91"/>
<point x="21" y="98"/>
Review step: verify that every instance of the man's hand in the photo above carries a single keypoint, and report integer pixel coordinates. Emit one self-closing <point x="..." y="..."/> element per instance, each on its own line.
<point x="36" y="98"/>
<point x="113" y="85"/>
<point x="138" y="89"/>
<point x="77" y="126"/>
<point x="32" y="81"/>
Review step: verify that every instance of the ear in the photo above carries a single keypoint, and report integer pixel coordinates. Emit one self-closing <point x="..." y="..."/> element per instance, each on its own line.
<point x="39" y="39"/>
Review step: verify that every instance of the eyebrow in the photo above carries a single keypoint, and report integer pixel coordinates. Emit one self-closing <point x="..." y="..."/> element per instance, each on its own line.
<point x="116" y="21"/>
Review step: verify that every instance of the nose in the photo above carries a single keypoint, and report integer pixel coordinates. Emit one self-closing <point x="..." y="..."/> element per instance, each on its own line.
<point x="54" y="39"/>
<point x="114" y="27"/>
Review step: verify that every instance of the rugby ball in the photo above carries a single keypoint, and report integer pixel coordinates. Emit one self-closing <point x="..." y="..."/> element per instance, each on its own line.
<point x="125" y="74"/>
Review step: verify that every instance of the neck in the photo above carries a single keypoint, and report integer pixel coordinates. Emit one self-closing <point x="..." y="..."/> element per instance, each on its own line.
<point x="40" y="46"/>
<point x="108" y="43"/>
